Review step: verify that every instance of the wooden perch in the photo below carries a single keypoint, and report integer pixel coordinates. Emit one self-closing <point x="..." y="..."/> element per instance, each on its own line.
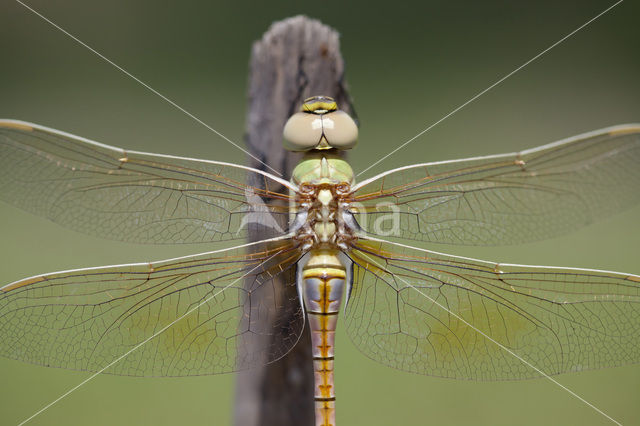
<point x="297" y="58"/>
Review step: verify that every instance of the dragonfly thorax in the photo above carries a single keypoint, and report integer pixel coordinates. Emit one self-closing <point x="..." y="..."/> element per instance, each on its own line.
<point x="322" y="205"/>
<point x="323" y="217"/>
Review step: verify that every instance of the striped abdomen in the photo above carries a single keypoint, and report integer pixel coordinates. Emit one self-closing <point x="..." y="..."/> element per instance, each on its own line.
<point x="323" y="281"/>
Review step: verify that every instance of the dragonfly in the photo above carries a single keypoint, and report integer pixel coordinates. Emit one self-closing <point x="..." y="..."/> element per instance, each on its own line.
<point x="344" y="247"/>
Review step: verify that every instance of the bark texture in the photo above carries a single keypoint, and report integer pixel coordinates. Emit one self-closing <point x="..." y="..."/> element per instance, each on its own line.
<point x="296" y="58"/>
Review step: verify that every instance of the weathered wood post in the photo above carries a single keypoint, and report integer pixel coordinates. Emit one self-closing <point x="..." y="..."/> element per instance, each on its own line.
<point x="296" y="58"/>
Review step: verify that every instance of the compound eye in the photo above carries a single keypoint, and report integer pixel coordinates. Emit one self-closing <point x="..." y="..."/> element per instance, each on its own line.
<point x="302" y="131"/>
<point x="339" y="129"/>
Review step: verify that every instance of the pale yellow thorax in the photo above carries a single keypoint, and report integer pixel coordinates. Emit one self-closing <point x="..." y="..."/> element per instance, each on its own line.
<point x="322" y="172"/>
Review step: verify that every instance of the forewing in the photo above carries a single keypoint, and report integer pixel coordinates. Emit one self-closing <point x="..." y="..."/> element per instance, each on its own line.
<point x="506" y="199"/>
<point x="448" y="316"/>
<point x="134" y="196"/>
<point x="183" y="317"/>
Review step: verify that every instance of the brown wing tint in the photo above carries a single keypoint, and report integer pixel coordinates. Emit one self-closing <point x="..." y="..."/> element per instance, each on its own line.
<point x="506" y="199"/>
<point x="213" y="306"/>
<point x="133" y="196"/>
<point x="413" y="310"/>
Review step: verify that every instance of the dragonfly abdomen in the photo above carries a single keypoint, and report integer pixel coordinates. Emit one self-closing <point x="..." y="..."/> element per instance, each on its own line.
<point x="323" y="281"/>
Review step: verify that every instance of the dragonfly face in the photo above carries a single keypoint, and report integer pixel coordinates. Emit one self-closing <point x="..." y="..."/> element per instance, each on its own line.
<point x="410" y="308"/>
<point x="320" y="126"/>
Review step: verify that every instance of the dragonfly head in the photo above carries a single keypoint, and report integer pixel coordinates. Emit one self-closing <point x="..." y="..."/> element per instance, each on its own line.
<point x="320" y="125"/>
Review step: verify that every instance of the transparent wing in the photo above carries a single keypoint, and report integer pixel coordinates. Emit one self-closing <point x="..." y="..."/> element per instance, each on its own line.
<point x="506" y="199"/>
<point x="216" y="305"/>
<point x="134" y="196"/>
<point x="411" y="309"/>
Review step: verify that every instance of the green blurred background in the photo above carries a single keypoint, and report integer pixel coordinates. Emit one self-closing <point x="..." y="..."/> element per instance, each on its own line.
<point x="408" y="64"/>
